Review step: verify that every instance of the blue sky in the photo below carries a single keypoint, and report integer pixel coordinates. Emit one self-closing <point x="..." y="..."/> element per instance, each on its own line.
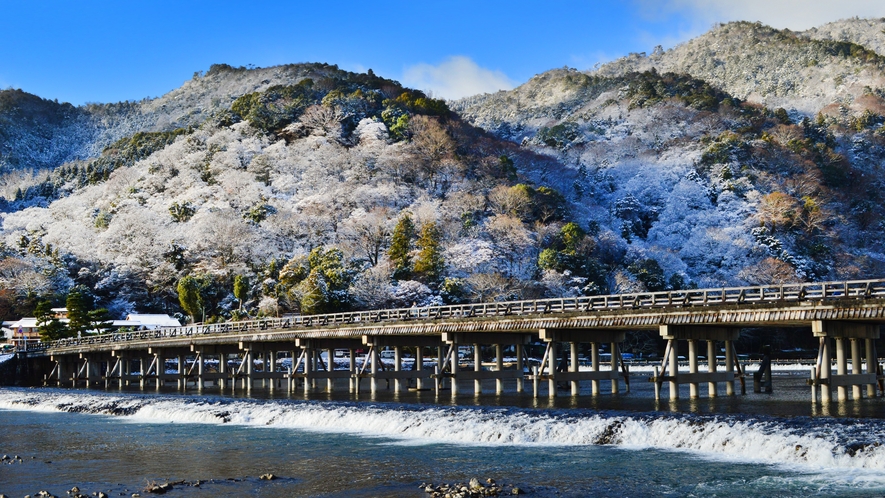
<point x="95" y="51"/>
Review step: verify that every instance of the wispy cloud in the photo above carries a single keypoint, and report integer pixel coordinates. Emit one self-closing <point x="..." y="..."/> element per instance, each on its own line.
<point x="455" y="77"/>
<point x="792" y="14"/>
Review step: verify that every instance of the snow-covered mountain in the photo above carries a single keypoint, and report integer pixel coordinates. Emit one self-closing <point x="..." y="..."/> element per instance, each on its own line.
<point x="747" y="155"/>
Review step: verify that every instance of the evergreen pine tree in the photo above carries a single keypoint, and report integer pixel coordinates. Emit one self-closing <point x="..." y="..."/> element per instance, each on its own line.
<point x="190" y="296"/>
<point x="78" y="305"/>
<point x="400" y="246"/>
<point x="50" y="327"/>
<point x="314" y="296"/>
<point x="241" y="289"/>
<point x="430" y="264"/>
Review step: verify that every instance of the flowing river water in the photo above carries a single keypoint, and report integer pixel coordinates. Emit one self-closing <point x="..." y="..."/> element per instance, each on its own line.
<point x="341" y="444"/>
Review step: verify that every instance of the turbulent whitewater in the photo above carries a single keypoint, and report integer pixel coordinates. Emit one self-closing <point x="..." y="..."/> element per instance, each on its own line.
<point x="801" y="443"/>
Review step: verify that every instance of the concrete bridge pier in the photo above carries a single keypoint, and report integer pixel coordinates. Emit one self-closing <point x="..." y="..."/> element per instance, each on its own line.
<point x="692" y="334"/>
<point x="847" y="337"/>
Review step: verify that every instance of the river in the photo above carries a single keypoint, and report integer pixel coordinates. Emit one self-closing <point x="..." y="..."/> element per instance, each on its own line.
<point x="341" y="444"/>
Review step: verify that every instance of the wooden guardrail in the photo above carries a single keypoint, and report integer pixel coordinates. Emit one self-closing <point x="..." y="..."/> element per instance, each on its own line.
<point x="855" y="289"/>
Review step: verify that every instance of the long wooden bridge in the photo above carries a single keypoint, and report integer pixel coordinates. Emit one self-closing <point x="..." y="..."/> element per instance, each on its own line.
<point x="848" y="314"/>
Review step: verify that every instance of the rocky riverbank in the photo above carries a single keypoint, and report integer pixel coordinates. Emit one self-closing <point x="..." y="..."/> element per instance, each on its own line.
<point x="472" y="489"/>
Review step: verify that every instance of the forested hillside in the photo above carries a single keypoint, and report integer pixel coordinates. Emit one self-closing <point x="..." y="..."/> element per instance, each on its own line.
<point x="306" y="189"/>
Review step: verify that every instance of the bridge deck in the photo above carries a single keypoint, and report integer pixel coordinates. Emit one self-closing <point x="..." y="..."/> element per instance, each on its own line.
<point x="788" y="305"/>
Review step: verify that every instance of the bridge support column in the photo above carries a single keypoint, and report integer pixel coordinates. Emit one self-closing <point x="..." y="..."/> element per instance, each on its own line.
<point x="520" y="367"/>
<point x="840" y="331"/>
<point x="419" y="366"/>
<point x="729" y="366"/>
<point x="374" y="380"/>
<point x="692" y="366"/>
<point x="499" y="366"/>
<point x="314" y="366"/>
<point x="397" y="367"/>
<point x="872" y="365"/>
<point x="62" y="370"/>
<point x="573" y="374"/>
<point x="455" y="368"/>
<point x="439" y="380"/>
<point x="825" y="369"/>
<point x="841" y="368"/>
<point x="502" y="371"/>
<point x="273" y="382"/>
<point x="692" y="334"/>
<point x="222" y="370"/>
<point x="477" y="367"/>
<point x="552" y="361"/>
<point x="201" y="368"/>
<point x="712" y="366"/>
<point x="351" y="365"/>
<point x="616" y="359"/>
<point x="674" y="368"/>
<point x="250" y="366"/>
<point x="127" y="370"/>
<point x="182" y="370"/>
<point x="573" y="367"/>
<point x="594" y="358"/>
<point x="856" y="391"/>
<point x="93" y="370"/>
<point x="330" y="367"/>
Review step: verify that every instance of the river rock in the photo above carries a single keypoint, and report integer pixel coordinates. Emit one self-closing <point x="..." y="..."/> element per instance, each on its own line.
<point x="475" y="484"/>
<point x="158" y="489"/>
<point x="73" y="490"/>
<point x="516" y="491"/>
<point x="267" y="477"/>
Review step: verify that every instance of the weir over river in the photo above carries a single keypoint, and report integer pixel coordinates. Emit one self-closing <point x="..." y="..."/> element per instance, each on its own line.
<point x="287" y="353"/>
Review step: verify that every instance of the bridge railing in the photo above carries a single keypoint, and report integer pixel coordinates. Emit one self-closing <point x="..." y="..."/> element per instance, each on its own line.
<point x="856" y="289"/>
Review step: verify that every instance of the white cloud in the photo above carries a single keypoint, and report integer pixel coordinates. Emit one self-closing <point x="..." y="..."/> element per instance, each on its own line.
<point x="793" y="14"/>
<point x="455" y="77"/>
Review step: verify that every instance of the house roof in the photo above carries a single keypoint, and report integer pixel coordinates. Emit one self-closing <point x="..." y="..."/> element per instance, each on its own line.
<point x="27" y="322"/>
<point x="153" y="320"/>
